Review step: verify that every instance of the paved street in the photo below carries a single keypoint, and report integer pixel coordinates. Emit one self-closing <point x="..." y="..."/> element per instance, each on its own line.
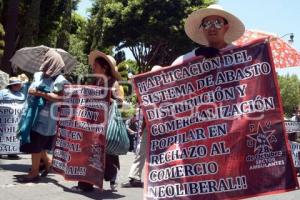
<point x="55" y="187"/>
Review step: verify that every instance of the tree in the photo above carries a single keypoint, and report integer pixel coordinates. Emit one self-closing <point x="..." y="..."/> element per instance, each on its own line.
<point x="120" y="57"/>
<point x="131" y="66"/>
<point x="290" y="93"/>
<point x="2" y="33"/>
<point x="77" y="46"/>
<point x="151" y="29"/>
<point x="36" y="22"/>
<point x="95" y="29"/>
<point x="30" y="29"/>
<point x="63" y="37"/>
<point x="10" y="17"/>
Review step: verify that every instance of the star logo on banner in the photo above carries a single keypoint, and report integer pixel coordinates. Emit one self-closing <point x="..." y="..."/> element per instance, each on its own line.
<point x="262" y="140"/>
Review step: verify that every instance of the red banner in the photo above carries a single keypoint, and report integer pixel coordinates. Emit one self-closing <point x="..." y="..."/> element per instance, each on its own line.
<point x="79" y="152"/>
<point x="215" y="128"/>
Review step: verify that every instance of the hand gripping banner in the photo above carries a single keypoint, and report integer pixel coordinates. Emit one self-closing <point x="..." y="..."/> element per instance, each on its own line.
<point x="79" y="152"/>
<point x="215" y="128"/>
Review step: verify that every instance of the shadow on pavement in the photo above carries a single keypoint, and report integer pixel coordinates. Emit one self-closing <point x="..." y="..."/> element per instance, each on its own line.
<point x="95" y="194"/>
<point x="15" y="167"/>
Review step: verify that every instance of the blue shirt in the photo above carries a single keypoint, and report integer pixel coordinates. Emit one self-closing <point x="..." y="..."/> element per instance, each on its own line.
<point x="7" y="94"/>
<point x="46" y="119"/>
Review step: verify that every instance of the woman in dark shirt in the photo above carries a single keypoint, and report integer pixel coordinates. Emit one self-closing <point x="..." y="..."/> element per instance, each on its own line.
<point x="104" y="68"/>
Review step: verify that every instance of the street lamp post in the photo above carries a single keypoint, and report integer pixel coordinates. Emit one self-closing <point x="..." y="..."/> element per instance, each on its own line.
<point x="291" y="40"/>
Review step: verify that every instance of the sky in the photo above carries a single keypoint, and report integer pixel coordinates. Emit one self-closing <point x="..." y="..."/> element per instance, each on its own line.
<point x="274" y="16"/>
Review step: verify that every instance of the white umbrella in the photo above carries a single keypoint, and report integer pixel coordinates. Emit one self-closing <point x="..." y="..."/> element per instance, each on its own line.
<point x="3" y="79"/>
<point x="30" y="59"/>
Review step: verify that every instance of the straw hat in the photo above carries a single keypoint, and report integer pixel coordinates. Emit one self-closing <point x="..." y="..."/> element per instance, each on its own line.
<point x="236" y="27"/>
<point x="14" y="81"/>
<point x="23" y="78"/>
<point x="110" y="60"/>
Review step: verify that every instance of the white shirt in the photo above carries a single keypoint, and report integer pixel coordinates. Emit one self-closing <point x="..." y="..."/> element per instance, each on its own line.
<point x="181" y="59"/>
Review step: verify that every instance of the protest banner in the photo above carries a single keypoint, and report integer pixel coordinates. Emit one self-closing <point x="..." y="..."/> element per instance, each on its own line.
<point x="10" y="114"/>
<point x="292" y="126"/>
<point x="295" y="147"/>
<point x="79" y="152"/>
<point x="215" y="128"/>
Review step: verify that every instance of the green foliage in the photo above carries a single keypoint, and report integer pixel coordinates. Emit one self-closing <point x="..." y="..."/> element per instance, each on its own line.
<point x="95" y="27"/>
<point x="77" y="47"/>
<point x="41" y="25"/>
<point x="123" y="70"/>
<point x="63" y="36"/>
<point x="290" y="93"/>
<point x="128" y="112"/>
<point x="43" y="21"/>
<point x="77" y="24"/>
<point x="131" y="66"/>
<point x="30" y="27"/>
<point x="151" y="29"/>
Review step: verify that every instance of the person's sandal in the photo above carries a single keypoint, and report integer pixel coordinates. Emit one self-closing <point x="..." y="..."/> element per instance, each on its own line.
<point x="26" y="179"/>
<point x="80" y="190"/>
<point x="113" y="185"/>
<point x="45" y="172"/>
<point x="13" y="157"/>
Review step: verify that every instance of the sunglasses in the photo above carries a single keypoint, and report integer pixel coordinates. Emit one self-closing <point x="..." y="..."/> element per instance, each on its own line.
<point x="218" y="24"/>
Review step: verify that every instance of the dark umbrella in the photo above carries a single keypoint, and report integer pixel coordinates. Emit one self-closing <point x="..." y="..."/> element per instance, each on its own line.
<point x="30" y="59"/>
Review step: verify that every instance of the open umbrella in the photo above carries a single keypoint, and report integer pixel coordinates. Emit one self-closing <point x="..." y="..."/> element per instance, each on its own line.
<point x="30" y="59"/>
<point x="284" y="55"/>
<point x="3" y="79"/>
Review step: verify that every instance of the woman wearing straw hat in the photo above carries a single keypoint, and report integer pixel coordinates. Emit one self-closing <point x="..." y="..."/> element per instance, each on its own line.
<point x="16" y="90"/>
<point x="212" y="27"/>
<point x="104" y="68"/>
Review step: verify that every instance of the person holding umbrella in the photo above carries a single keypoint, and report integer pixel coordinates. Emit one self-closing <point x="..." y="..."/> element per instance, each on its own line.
<point x="37" y="130"/>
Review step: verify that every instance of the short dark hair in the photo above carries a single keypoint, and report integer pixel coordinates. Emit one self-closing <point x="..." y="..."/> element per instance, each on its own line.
<point x="104" y="64"/>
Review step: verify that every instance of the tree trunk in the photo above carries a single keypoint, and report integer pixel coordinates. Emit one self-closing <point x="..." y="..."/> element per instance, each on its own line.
<point x="10" y="26"/>
<point x="63" y="38"/>
<point x="29" y="35"/>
